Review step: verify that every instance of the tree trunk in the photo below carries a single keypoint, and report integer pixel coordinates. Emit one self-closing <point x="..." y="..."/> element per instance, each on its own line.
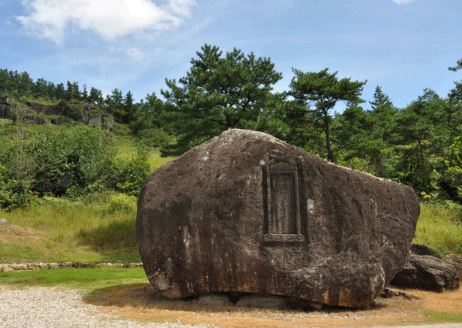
<point x="330" y="153"/>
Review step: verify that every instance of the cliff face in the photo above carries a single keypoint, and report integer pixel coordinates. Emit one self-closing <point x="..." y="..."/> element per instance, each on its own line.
<point x="65" y="111"/>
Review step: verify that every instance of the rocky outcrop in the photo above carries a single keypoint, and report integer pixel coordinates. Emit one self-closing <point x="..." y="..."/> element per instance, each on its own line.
<point x="248" y="213"/>
<point x="426" y="271"/>
<point x="5" y="106"/>
<point x="65" y="111"/>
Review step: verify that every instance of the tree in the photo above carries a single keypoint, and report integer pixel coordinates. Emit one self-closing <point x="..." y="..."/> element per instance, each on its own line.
<point x="380" y="99"/>
<point x="95" y="96"/>
<point x="60" y="92"/>
<point x="85" y="93"/>
<point x="129" y="107"/>
<point x="219" y="92"/>
<point x="420" y="140"/>
<point x="457" y="67"/>
<point x="323" y="90"/>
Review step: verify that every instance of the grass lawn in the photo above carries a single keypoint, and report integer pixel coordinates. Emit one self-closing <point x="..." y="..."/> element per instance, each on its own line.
<point x="440" y="228"/>
<point x="87" y="279"/>
<point x="99" y="228"/>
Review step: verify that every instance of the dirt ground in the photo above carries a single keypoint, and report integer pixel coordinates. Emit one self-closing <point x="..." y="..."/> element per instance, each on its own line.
<point x="140" y="302"/>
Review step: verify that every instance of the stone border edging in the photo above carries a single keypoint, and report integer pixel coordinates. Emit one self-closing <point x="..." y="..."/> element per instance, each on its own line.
<point x="8" y="267"/>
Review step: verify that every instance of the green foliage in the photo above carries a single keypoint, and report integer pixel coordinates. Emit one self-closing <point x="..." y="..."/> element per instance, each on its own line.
<point x="13" y="193"/>
<point x="58" y="161"/>
<point x="121" y="203"/>
<point x="147" y="124"/>
<point x="420" y="141"/>
<point x="457" y="67"/>
<point x="130" y="175"/>
<point x="74" y="111"/>
<point x="451" y="177"/>
<point x="322" y="90"/>
<point x="219" y="92"/>
<point x="21" y="84"/>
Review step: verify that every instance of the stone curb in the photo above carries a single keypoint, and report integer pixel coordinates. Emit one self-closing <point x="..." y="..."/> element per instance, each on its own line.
<point x="62" y="265"/>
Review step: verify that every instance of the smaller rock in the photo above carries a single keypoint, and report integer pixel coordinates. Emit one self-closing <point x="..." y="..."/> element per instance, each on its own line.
<point x="19" y="267"/>
<point x="418" y="249"/>
<point x="79" y="264"/>
<point x="106" y="264"/>
<point x="131" y="265"/>
<point x="54" y="265"/>
<point x="66" y="264"/>
<point x="44" y="266"/>
<point x="215" y="299"/>
<point x="4" y="222"/>
<point x="32" y="266"/>
<point x="6" y="268"/>
<point x="426" y="272"/>
<point x="388" y="293"/>
<point x="267" y="302"/>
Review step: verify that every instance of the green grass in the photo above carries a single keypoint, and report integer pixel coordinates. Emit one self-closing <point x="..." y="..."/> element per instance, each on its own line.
<point x="85" y="278"/>
<point x="444" y="316"/>
<point x="100" y="228"/>
<point x="440" y="228"/>
<point x="128" y="147"/>
<point x="14" y="253"/>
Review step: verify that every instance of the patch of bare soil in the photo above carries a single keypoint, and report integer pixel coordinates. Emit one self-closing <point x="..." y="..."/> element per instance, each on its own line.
<point x="18" y="235"/>
<point x="142" y="303"/>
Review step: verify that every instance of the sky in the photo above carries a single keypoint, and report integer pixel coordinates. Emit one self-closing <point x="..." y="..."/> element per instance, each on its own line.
<point x="404" y="46"/>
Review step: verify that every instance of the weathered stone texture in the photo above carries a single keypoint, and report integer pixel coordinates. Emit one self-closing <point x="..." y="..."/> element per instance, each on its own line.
<point x="246" y="212"/>
<point x="426" y="271"/>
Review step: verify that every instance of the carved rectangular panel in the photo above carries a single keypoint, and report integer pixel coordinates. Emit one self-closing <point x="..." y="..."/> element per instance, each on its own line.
<point x="281" y="193"/>
<point x="282" y="219"/>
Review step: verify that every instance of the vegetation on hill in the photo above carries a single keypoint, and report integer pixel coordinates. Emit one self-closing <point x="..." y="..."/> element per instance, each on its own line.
<point x="419" y="145"/>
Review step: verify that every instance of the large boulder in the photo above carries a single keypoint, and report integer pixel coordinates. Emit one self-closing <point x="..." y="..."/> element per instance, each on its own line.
<point x="426" y="271"/>
<point x="248" y="213"/>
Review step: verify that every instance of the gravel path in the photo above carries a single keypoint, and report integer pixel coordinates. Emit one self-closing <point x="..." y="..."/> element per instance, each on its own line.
<point x="50" y="307"/>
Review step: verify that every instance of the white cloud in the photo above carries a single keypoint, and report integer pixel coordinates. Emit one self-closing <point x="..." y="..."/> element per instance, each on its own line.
<point x="402" y="2"/>
<point x="135" y="53"/>
<point x="108" y="18"/>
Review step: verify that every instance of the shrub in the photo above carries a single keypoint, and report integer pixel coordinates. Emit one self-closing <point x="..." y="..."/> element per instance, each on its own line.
<point x="76" y="159"/>
<point x="121" y="203"/>
<point x="130" y="175"/>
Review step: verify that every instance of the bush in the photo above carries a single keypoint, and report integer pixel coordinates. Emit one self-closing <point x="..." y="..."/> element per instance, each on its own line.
<point x="13" y="193"/>
<point x="76" y="159"/>
<point x="130" y="175"/>
<point x="121" y="203"/>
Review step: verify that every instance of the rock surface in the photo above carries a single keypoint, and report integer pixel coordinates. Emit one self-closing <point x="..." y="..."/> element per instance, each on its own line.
<point x="37" y="113"/>
<point x="426" y="271"/>
<point x="246" y="212"/>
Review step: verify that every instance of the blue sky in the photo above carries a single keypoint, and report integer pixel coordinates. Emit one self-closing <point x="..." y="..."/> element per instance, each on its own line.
<point x="402" y="45"/>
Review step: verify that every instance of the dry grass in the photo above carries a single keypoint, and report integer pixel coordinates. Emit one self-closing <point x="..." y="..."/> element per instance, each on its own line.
<point x="141" y="303"/>
<point x="55" y="229"/>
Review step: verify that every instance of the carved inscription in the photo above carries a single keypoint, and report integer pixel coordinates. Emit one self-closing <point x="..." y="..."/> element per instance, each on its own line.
<point x="282" y="218"/>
